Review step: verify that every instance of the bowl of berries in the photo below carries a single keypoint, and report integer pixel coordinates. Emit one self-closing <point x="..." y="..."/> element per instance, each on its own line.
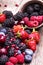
<point x="33" y="13"/>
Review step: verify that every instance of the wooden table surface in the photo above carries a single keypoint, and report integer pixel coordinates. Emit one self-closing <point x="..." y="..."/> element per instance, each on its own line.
<point x="38" y="55"/>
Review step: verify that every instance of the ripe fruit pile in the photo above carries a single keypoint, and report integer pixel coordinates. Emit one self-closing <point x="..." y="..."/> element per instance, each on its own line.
<point x="17" y="42"/>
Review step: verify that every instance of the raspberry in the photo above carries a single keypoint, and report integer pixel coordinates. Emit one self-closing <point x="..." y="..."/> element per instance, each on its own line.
<point x="13" y="60"/>
<point x="9" y="63"/>
<point x="20" y="58"/>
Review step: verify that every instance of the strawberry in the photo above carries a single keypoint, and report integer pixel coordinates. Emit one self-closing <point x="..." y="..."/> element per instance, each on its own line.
<point x="2" y="18"/>
<point x="16" y="28"/>
<point x="9" y="63"/>
<point x="13" y="60"/>
<point x="35" y="35"/>
<point x="23" y="34"/>
<point x="20" y="58"/>
<point x="32" y="44"/>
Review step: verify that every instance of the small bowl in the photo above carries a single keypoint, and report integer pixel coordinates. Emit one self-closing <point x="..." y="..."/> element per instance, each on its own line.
<point x="30" y="2"/>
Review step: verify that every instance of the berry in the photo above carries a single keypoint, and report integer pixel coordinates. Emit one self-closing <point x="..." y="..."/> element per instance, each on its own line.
<point x="8" y="14"/>
<point x="28" y="31"/>
<point x="2" y="38"/>
<point x="11" y="52"/>
<point x="4" y="30"/>
<point x="36" y="7"/>
<point x="3" y="59"/>
<point x="23" y="34"/>
<point x="30" y="9"/>
<point x="26" y="14"/>
<point x="20" y="58"/>
<point x="18" y="16"/>
<point x="33" y="24"/>
<point x="9" y="63"/>
<point x="13" y="60"/>
<point x="8" y="23"/>
<point x="3" y="51"/>
<point x="16" y="28"/>
<point x="29" y="52"/>
<point x="18" y="52"/>
<point x="34" y="14"/>
<point x="2" y="33"/>
<point x="2" y="18"/>
<point x="32" y="44"/>
<point x="41" y="12"/>
<point x="28" y="58"/>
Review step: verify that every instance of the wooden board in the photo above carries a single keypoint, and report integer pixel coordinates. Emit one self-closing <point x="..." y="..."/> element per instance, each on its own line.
<point x="38" y="55"/>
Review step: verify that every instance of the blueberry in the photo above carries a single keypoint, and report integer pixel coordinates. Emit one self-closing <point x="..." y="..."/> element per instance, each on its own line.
<point x="28" y="31"/>
<point x="28" y="58"/>
<point x="36" y="7"/>
<point x="18" y="52"/>
<point x="34" y="14"/>
<point x="30" y="9"/>
<point x="4" y="30"/>
<point x="2" y="33"/>
<point x="3" y="59"/>
<point x="29" y="52"/>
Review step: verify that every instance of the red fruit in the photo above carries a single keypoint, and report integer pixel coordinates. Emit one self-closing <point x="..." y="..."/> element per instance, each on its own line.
<point x="2" y="38"/>
<point x="23" y="34"/>
<point x="16" y="28"/>
<point x="26" y="20"/>
<point x="2" y="18"/>
<point x="32" y="44"/>
<point x="3" y="51"/>
<point x="33" y="23"/>
<point x="13" y="60"/>
<point x="35" y="35"/>
<point x="37" y="18"/>
<point x="9" y="63"/>
<point x="20" y="58"/>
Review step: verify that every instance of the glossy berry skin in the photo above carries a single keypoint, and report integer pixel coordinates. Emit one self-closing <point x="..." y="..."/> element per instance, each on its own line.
<point x="9" y="63"/>
<point x="13" y="60"/>
<point x="28" y="58"/>
<point x="29" y="52"/>
<point x="3" y="51"/>
<point x="32" y="44"/>
<point x="2" y="38"/>
<point x="20" y="58"/>
<point x="23" y="34"/>
<point x="2" y="18"/>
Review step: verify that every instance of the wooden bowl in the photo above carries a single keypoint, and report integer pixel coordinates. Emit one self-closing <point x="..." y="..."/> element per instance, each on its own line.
<point x="30" y="2"/>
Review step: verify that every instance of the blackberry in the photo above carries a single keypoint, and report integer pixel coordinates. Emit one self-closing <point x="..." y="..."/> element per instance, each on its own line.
<point x="34" y="14"/>
<point x="22" y="47"/>
<point x="17" y="41"/>
<point x="3" y="59"/>
<point x="36" y="7"/>
<point x="8" y="23"/>
<point x="18" y="16"/>
<point x="41" y="12"/>
<point x="26" y="14"/>
<point x="11" y="51"/>
<point x="8" y="14"/>
<point x="30" y="9"/>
